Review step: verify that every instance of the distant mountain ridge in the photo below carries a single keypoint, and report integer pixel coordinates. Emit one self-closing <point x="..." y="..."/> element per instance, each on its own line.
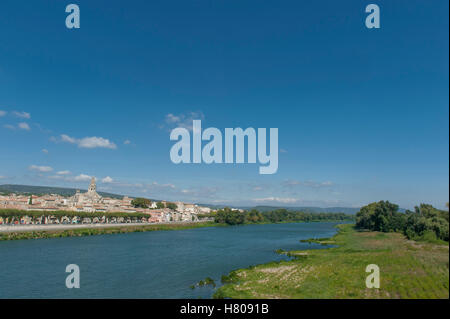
<point x="312" y="209"/>
<point x="306" y="209"/>
<point x="40" y="190"/>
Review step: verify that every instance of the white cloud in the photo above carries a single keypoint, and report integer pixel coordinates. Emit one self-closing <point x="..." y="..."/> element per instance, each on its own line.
<point x="2" y="113"/>
<point x="82" y="178"/>
<point x="156" y="185"/>
<point x="89" y="142"/>
<point x="67" y="176"/>
<point x="93" y="142"/>
<point x="56" y="177"/>
<point x="107" y="180"/>
<point x="153" y="187"/>
<point x="2" y="177"/>
<point x="170" y="118"/>
<point x="313" y="184"/>
<point x="317" y="184"/>
<point x="23" y="126"/>
<point x="44" y="151"/>
<point x="68" y="139"/>
<point x="283" y="200"/>
<point x="42" y="169"/>
<point x="183" y="120"/>
<point x="290" y="183"/>
<point x="23" y="115"/>
<point x="127" y="142"/>
<point x="63" y="173"/>
<point x="202" y="192"/>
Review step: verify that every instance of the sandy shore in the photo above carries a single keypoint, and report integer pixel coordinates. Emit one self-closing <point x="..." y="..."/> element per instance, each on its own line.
<point x="26" y="228"/>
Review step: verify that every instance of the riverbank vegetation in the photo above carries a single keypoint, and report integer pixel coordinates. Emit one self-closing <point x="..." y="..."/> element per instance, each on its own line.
<point x="16" y="217"/>
<point x="101" y="231"/>
<point x="424" y="223"/>
<point x="5" y="213"/>
<point x="220" y="218"/>
<point x="233" y="217"/>
<point x="140" y="202"/>
<point x="408" y="269"/>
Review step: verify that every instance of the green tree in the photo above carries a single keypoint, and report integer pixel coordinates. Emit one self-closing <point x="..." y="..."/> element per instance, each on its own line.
<point x="141" y="202"/>
<point x="424" y="223"/>
<point x="160" y="205"/>
<point x="381" y="216"/>
<point x="424" y="219"/>
<point x="172" y="206"/>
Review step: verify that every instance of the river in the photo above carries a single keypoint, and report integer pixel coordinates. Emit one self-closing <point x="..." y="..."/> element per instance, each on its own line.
<point x="156" y="264"/>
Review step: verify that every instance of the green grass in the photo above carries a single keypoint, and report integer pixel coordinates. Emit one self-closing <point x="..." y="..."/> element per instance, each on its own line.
<point x="408" y="269"/>
<point x="101" y="231"/>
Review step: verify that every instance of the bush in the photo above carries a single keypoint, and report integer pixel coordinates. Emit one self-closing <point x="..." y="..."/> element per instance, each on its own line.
<point x="141" y="202"/>
<point x="429" y="236"/>
<point x="424" y="222"/>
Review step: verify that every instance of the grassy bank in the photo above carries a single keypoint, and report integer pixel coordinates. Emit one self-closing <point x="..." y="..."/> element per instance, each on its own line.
<point x="100" y="231"/>
<point x="408" y="269"/>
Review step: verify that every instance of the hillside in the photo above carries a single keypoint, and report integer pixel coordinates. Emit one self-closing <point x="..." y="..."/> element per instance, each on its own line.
<point x="40" y="190"/>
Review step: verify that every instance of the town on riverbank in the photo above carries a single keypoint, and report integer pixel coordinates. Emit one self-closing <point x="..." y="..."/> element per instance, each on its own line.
<point x="58" y="215"/>
<point x="91" y="208"/>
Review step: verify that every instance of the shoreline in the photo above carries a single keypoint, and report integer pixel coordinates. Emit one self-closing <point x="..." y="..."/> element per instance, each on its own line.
<point x="16" y="232"/>
<point x="53" y="227"/>
<point x="343" y="265"/>
<point x="59" y="231"/>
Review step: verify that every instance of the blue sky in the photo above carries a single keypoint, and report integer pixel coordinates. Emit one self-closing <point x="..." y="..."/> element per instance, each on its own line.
<point x="362" y="113"/>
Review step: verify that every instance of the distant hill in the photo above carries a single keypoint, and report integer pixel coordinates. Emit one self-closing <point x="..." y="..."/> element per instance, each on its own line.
<point x="306" y="209"/>
<point x="41" y="190"/>
<point x="346" y="210"/>
<point x="312" y="209"/>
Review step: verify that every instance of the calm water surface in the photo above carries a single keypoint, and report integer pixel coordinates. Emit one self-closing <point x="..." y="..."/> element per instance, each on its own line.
<point x="157" y="264"/>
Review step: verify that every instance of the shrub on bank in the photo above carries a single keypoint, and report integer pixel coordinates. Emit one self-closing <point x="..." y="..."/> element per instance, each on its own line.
<point x="424" y="223"/>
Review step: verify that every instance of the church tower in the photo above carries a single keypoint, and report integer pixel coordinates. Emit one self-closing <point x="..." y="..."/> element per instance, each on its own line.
<point x="92" y="187"/>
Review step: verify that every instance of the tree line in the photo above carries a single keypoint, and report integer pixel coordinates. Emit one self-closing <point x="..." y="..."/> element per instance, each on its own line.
<point x="233" y="217"/>
<point x="425" y="222"/>
<point x="141" y="202"/>
<point x="21" y="213"/>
